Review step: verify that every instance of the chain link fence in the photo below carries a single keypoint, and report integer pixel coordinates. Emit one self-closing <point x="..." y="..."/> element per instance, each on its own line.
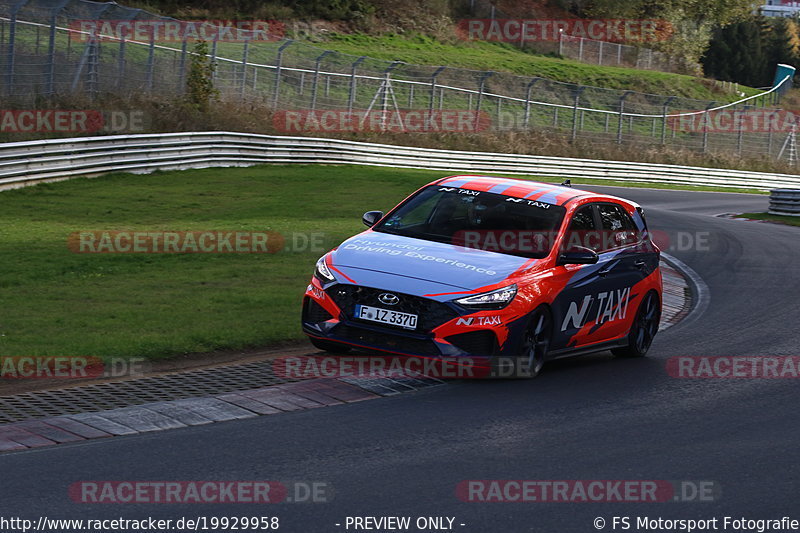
<point x="583" y="49"/>
<point x="44" y="53"/>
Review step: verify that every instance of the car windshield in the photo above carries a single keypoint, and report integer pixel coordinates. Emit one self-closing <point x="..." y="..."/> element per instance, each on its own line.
<point x="478" y="220"/>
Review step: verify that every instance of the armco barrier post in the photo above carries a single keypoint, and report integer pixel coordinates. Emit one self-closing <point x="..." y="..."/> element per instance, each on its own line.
<point x="12" y="32"/>
<point x="528" y="92"/>
<point x="432" y="98"/>
<point x="351" y="98"/>
<point x="181" y="66"/>
<point x="706" y="120"/>
<point x="481" y="90"/>
<point x="121" y="63"/>
<point x="278" y="63"/>
<point x="51" y="48"/>
<point x="87" y="51"/>
<point x="92" y="71"/>
<point x="151" y="57"/>
<point x="315" y="83"/>
<point x="739" y="129"/>
<point x="244" y="68"/>
<point x="214" y="57"/>
<point x="664" y="119"/>
<point x="621" y="106"/>
<point x="578" y="90"/>
<point x="772" y="115"/>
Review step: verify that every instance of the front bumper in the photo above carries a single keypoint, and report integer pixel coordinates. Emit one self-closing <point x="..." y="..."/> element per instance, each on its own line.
<point x="443" y="329"/>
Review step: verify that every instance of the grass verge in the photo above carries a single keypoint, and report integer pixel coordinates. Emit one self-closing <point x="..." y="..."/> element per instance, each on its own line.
<point x="778" y="219"/>
<point x="159" y="305"/>
<point x="480" y="55"/>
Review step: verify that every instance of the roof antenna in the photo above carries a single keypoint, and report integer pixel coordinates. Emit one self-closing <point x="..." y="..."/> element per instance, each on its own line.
<point x="566" y="183"/>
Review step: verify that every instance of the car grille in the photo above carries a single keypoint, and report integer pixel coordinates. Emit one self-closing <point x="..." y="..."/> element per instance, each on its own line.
<point x="430" y="312"/>
<point x="482" y="342"/>
<point x="386" y="341"/>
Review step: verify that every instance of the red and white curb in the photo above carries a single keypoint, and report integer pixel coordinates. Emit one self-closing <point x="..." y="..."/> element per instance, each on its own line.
<point x="675" y="297"/>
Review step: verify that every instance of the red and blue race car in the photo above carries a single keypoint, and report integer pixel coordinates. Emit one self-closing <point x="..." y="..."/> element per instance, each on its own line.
<point x="492" y="268"/>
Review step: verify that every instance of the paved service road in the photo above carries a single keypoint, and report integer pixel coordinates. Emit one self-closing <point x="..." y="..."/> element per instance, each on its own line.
<point x="584" y="419"/>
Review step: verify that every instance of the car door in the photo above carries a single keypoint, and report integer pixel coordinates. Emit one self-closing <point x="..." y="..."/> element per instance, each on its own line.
<point x="622" y="267"/>
<point x="593" y="305"/>
<point x="576" y="302"/>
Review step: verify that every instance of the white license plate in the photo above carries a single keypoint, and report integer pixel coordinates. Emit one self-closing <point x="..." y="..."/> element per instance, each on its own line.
<point x="385" y="316"/>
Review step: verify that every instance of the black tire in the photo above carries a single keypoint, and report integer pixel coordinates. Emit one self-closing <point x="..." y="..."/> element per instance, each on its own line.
<point x="643" y="329"/>
<point x="535" y="344"/>
<point x="329" y="346"/>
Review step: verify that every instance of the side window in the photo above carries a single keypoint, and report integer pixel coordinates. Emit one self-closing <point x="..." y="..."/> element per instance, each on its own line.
<point x="582" y="230"/>
<point x="618" y="228"/>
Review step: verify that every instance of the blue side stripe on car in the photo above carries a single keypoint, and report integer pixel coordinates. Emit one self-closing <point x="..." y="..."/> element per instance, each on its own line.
<point x="500" y="188"/>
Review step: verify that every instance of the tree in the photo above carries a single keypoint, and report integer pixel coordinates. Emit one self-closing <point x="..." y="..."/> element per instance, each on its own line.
<point x="200" y="81"/>
<point x="692" y="21"/>
<point x="782" y="41"/>
<point x="716" y="62"/>
<point x="737" y="54"/>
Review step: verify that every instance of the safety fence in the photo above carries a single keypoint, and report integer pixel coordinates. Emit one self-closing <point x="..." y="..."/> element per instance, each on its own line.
<point x="44" y="53"/>
<point x="582" y="48"/>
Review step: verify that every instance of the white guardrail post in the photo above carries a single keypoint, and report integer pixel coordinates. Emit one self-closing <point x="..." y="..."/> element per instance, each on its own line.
<point x="25" y="163"/>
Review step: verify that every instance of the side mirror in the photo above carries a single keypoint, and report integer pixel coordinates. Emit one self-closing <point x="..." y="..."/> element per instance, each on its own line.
<point x="578" y="256"/>
<point x="371" y="217"/>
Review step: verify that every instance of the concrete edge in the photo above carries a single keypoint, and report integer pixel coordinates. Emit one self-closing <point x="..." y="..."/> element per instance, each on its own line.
<point x="161" y="416"/>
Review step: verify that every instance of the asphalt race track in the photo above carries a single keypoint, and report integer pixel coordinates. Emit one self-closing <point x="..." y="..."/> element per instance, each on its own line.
<point x="591" y="418"/>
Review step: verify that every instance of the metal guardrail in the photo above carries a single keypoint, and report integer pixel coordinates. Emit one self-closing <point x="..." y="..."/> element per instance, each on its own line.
<point x="25" y="163"/>
<point x="784" y="202"/>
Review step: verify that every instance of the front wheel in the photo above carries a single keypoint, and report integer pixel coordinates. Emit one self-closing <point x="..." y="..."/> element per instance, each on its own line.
<point x="535" y="344"/>
<point x="644" y="328"/>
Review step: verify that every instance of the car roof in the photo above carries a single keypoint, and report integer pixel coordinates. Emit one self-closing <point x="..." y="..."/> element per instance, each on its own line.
<point x="531" y="190"/>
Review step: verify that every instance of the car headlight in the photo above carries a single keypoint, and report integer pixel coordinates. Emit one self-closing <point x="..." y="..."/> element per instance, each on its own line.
<point x="322" y="271"/>
<point x="496" y="299"/>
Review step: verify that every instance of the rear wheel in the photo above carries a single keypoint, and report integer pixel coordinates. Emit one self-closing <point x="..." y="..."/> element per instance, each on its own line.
<point x="328" y="346"/>
<point x="644" y="328"/>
